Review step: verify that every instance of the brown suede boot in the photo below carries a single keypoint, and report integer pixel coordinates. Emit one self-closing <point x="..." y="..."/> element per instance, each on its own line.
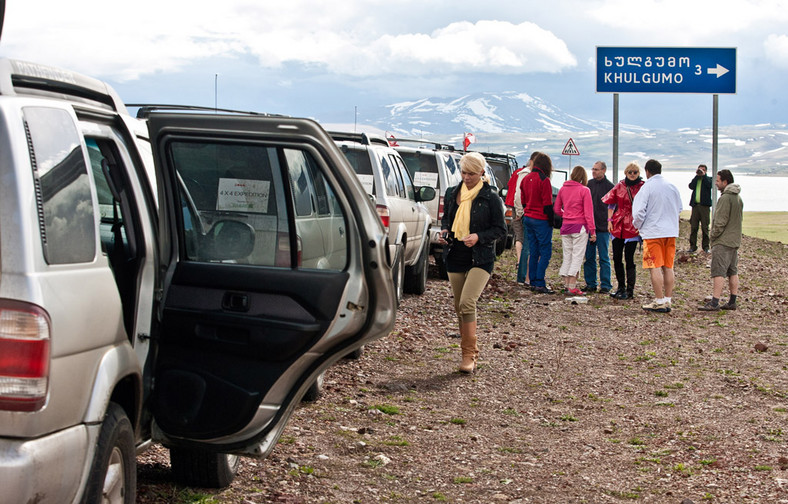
<point x="468" y="345"/>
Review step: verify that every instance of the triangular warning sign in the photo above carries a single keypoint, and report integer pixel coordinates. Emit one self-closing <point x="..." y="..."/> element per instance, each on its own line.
<point x="570" y="149"/>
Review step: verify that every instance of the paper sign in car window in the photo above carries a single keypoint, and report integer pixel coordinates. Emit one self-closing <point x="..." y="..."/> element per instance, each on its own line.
<point x="425" y="179"/>
<point x="243" y="195"/>
<point x="367" y="181"/>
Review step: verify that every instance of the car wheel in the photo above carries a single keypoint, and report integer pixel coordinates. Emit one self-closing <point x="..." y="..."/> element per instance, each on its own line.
<point x="399" y="275"/>
<point x="356" y="354"/>
<point x="202" y="468"/>
<point x="416" y="280"/>
<point x="113" y="475"/>
<point x="315" y="390"/>
<point x="442" y="273"/>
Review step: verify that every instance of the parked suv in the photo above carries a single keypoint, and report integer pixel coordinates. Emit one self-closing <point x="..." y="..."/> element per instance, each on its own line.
<point x="503" y="166"/>
<point x="433" y="164"/>
<point x="399" y="203"/>
<point x="183" y="279"/>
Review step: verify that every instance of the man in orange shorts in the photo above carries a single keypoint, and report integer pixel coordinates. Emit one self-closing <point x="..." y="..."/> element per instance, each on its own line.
<point x="655" y="213"/>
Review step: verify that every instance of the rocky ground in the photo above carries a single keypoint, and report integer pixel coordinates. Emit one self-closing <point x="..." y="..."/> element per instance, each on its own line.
<point x="572" y="403"/>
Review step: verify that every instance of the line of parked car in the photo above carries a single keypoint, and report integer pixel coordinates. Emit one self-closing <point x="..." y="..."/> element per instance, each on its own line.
<point x="185" y="276"/>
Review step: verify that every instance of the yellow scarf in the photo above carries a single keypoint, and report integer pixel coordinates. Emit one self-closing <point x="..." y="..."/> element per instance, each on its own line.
<point x="462" y="221"/>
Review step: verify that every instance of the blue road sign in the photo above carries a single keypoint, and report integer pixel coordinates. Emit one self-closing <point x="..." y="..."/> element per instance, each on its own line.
<point x="665" y="70"/>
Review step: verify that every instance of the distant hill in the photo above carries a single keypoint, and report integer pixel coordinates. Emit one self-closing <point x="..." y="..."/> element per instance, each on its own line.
<point x="518" y="123"/>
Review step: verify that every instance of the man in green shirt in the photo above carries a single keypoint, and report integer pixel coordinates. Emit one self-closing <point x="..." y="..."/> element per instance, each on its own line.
<point x="725" y="242"/>
<point x="700" y="202"/>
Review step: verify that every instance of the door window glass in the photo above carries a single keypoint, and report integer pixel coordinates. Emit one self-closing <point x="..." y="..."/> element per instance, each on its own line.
<point x="389" y="177"/>
<point x="405" y="178"/>
<point x="233" y="200"/>
<point x="67" y="218"/>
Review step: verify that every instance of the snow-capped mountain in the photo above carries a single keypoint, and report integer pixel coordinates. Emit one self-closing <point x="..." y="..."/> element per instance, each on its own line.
<point x="495" y="113"/>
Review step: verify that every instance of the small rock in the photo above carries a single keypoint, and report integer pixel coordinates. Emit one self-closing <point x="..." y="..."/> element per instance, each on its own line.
<point x="384" y="460"/>
<point x="760" y="347"/>
<point x="687" y="501"/>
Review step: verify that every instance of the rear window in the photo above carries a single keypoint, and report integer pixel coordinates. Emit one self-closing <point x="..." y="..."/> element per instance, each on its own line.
<point x="359" y="160"/>
<point x="422" y="166"/>
<point x="501" y="172"/>
<point x="66" y="216"/>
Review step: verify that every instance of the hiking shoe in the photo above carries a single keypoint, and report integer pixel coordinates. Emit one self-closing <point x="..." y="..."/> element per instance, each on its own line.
<point x="729" y="306"/>
<point x="543" y="290"/>
<point x="604" y="290"/>
<point x="575" y="292"/>
<point x="657" y="307"/>
<point x="709" y="306"/>
<point x="588" y="288"/>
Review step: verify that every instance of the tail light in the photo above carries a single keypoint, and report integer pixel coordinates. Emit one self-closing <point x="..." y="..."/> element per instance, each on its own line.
<point x="24" y="356"/>
<point x="283" y="250"/>
<point x="508" y="215"/>
<point x="440" y="208"/>
<point x="383" y="213"/>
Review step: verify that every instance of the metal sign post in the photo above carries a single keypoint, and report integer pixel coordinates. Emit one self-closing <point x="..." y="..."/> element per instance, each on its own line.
<point x="665" y="70"/>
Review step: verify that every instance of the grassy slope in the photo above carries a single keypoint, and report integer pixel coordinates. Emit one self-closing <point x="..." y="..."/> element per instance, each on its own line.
<point x="767" y="225"/>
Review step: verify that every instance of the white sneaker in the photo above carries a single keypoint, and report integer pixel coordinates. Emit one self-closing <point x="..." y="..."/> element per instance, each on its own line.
<point x="657" y="307"/>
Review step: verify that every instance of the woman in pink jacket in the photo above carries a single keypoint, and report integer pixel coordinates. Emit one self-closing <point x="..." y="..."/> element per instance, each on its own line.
<point x="574" y="205"/>
<point x="619" y="224"/>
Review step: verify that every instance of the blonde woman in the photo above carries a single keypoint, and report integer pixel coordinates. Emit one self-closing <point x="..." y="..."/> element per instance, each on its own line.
<point x="472" y="221"/>
<point x="574" y="205"/>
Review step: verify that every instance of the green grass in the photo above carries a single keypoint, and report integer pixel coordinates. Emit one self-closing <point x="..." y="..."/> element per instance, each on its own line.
<point x="767" y="225"/>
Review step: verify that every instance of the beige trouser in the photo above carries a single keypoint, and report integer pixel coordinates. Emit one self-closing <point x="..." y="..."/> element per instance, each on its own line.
<point x="467" y="287"/>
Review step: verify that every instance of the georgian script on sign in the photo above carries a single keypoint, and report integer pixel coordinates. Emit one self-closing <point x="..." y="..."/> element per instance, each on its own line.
<point x="243" y="195"/>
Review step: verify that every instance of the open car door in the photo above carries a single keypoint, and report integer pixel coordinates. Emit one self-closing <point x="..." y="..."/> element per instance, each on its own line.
<point x="245" y="327"/>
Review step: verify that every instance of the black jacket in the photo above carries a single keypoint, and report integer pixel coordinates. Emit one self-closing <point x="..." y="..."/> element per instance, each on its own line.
<point x="598" y="189"/>
<point x="705" y="190"/>
<point x="487" y="221"/>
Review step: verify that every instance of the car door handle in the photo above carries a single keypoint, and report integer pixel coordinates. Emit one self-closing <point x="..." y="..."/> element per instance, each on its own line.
<point x="341" y="231"/>
<point x="235" y="301"/>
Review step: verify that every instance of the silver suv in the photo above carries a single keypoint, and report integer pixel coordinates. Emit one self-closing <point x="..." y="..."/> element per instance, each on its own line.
<point x="399" y="203"/>
<point x="433" y="164"/>
<point x="183" y="279"/>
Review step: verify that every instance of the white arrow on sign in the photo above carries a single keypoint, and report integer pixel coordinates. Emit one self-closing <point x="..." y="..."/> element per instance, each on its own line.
<point x="720" y="70"/>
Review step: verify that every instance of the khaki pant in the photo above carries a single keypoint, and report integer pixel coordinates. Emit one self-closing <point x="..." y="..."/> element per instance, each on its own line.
<point x="467" y="287"/>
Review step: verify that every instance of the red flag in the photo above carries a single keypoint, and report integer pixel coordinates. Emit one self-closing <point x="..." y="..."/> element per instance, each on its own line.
<point x="391" y="139"/>
<point x="468" y="140"/>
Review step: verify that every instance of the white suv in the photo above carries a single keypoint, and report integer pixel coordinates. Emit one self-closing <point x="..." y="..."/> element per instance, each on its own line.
<point x="183" y="278"/>
<point x="399" y="203"/>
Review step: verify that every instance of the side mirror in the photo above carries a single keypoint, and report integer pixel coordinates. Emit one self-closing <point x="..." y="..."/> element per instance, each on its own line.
<point x="425" y="193"/>
<point x="227" y="240"/>
<point x="503" y="192"/>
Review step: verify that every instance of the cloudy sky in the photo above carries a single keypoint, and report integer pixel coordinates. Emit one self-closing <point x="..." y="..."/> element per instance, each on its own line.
<point x="331" y="60"/>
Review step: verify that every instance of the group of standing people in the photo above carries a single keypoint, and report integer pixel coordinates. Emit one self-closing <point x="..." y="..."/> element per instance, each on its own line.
<point x="590" y="214"/>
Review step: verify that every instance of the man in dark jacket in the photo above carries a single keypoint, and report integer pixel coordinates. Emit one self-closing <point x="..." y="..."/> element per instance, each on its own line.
<point x="700" y="201"/>
<point x="599" y="186"/>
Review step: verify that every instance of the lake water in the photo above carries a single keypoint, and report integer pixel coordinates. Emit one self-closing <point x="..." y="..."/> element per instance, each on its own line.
<point x="760" y="194"/>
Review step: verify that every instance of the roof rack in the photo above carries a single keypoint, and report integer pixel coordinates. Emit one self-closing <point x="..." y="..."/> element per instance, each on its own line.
<point x="362" y="138"/>
<point x="25" y="78"/>
<point x="144" y="109"/>
<point x="435" y="145"/>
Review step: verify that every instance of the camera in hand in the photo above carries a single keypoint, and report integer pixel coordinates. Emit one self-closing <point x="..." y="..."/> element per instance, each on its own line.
<point x="699" y="172"/>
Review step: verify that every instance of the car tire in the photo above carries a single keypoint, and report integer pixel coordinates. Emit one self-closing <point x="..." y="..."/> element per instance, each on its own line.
<point x="416" y="279"/>
<point x="315" y="390"/>
<point x="356" y="354"/>
<point x="204" y="469"/>
<point x="113" y="474"/>
<point x="399" y="275"/>
<point x="442" y="273"/>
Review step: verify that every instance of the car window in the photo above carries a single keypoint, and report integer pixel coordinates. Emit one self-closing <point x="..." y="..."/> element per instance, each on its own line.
<point x="359" y="160"/>
<point x="389" y="177"/>
<point x="67" y="217"/>
<point x="422" y="167"/>
<point x="404" y="176"/>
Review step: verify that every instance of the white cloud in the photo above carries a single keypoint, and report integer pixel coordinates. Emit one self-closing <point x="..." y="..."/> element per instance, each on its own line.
<point x="681" y="22"/>
<point x="776" y="48"/>
<point x="115" y="40"/>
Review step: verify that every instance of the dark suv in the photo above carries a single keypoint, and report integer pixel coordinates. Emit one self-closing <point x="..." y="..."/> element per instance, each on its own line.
<point x="182" y="278"/>
<point x="503" y="166"/>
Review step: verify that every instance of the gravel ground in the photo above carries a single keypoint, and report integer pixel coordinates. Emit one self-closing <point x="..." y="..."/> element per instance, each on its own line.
<point x="572" y="403"/>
